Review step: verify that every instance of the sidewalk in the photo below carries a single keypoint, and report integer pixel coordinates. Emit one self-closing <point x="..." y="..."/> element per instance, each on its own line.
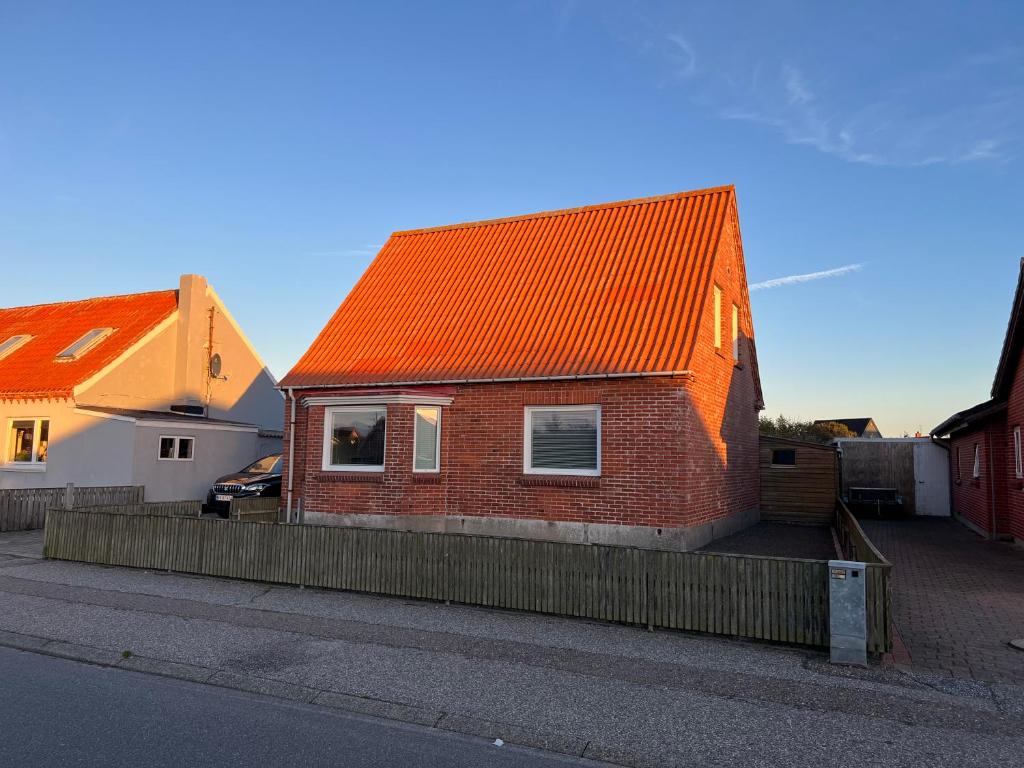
<point x="606" y="692"/>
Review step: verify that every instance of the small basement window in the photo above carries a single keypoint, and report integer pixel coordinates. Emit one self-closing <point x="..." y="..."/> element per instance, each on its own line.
<point x="427" y="439"/>
<point x="27" y="443"/>
<point x="562" y="440"/>
<point x="783" y="457"/>
<point x="176" y="448"/>
<point x="84" y="344"/>
<point x="354" y="438"/>
<point x="12" y="344"/>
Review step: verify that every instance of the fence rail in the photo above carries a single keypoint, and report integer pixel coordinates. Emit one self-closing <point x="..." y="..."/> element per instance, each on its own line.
<point x="765" y="598"/>
<point x="158" y="508"/>
<point x="23" y="509"/>
<point x="255" y="509"/>
<point x="857" y="546"/>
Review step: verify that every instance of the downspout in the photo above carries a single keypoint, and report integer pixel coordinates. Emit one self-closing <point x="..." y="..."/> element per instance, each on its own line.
<point x="992" y="485"/>
<point x="291" y="455"/>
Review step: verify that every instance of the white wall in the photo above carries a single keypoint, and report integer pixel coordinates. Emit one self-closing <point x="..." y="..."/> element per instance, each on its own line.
<point x="217" y="451"/>
<point x="84" y="450"/>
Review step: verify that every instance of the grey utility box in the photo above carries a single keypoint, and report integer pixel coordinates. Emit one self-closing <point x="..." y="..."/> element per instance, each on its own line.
<point x="848" y="618"/>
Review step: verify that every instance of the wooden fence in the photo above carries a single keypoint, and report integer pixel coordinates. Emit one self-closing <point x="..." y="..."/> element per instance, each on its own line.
<point x="159" y="508"/>
<point x="765" y="598"/>
<point x="23" y="509"/>
<point x="255" y="509"/>
<point x="857" y="546"/>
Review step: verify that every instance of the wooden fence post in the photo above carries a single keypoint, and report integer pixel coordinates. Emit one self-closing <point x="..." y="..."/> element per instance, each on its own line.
<point x="69" y="496"/>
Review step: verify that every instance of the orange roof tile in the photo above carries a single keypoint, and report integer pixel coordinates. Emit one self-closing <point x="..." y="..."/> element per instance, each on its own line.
<point x="606" y="289"/>
<point x="32" y="371"/>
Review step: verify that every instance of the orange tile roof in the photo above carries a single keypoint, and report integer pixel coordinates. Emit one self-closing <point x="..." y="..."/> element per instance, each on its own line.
<point x="606" y="289"/>
<point x="32" y="372"/>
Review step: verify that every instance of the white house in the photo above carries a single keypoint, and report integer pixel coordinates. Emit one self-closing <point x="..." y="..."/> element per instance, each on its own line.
<point x="159" y="389"/>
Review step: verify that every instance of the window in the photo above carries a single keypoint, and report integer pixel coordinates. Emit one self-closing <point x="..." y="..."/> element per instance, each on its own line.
<point x="977" y="461"/>
<point x="735" y="332"/>
<point x="175" y="448"/>
<point x="12" y="344"/>
<point x="783" y="457"/>
<point x="27" y="443"/>
<point x="84" y="344"/>
<point x="427" y="439"/>
<point x="354" y="438"/>
<point x="958" y="463"/>
<point x="718" y="317"/>
<point x="1017" y="464"/>
<point x="563" y="440"/>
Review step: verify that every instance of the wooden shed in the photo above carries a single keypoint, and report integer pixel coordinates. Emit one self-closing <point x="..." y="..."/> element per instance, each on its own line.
<point x="799" y="480"/>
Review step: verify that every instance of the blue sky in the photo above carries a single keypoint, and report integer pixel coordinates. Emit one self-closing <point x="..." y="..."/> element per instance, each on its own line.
<point x="274" y="146"/>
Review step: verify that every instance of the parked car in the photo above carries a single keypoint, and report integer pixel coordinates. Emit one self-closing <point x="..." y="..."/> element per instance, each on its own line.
<point x="261" y="478"/>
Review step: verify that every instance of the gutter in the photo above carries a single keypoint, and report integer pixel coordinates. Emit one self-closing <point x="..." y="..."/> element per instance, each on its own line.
<point x="291" y="455"/>
<point x="512" y="379"/>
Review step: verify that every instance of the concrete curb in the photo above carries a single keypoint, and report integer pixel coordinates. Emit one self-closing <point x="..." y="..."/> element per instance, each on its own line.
<point x="388" y="710"/>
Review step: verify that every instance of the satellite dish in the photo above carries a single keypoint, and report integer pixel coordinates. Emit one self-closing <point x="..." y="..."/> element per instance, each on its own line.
<point x="215" y="366"/>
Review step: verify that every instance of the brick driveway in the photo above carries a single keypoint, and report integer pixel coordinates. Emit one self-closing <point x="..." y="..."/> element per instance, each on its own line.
<point x="958" y="599"/>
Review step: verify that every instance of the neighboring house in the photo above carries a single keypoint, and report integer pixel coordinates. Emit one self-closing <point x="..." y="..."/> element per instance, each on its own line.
<point x="581" y="375"/>
<point x="158" y="389"/>
<point x="987" y="467"/>
<point x="864" y="427"/>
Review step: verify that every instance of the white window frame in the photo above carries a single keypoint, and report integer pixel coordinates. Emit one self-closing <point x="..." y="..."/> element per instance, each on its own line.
<point x="33" y="465"/>
<point x="177" y="447"/>
<point x="718" y="317"/>
<point x="735" y="332"/>
<point x="15" y="342"/>
<point x="976" y="473"/>
<point x="67" y="356"/>
<point x="325" y="456"/>
<point x="415" y="430"/>
<point x="1018" y="459"/>
<point x="528" y="412"/>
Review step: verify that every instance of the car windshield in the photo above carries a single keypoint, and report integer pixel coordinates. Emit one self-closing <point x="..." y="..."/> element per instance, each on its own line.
<point x="267" y="465"/>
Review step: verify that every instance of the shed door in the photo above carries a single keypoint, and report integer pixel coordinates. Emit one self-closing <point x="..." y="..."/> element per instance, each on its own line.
<point x="931" y="475"/>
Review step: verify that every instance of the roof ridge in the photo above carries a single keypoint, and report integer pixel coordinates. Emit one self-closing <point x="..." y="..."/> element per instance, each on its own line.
<point x="568" y="211"/>
<point x="88" y="298"/>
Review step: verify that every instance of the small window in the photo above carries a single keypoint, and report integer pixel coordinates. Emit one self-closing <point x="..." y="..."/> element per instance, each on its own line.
<point x="783" y="457"/>
<point x="977" y="461"/>
<point x="174" y="448"/>
<point x="427" y="439"/>
<point x="1017" y="463"/>
<point x="84" y="344"/>
<point x="563" y="440"/>
<point x="354" y="439"/>
<point x="958" y="463"/>
<point x="735" y="332"/>
<point x="27" y="442"/>
<point x="718" y="317"/>
<point x="12" y="344"/>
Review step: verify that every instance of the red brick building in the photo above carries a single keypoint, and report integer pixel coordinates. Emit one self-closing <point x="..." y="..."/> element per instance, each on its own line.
<point x="985" y="443"/>
<point x="580" y="375"/>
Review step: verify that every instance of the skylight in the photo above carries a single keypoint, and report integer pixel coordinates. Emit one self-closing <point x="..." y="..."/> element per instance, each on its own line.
<point x="12" y="344"/>
<point x="84" y="344"/>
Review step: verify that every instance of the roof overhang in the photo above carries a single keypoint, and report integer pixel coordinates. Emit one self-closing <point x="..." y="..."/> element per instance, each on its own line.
<point x="969" y="418"/>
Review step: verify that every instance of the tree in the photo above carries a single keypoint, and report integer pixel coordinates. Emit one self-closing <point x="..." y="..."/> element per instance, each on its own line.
<point x="803" y="430"/>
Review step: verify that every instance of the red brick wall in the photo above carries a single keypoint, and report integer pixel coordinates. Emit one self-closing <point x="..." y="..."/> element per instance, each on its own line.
<point x="675" y="451"/>
<point x="1011" y="521"/>
<point x="973" y="498"/>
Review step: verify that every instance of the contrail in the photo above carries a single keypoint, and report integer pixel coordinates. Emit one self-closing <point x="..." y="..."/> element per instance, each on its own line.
<point x="791" y="279"/>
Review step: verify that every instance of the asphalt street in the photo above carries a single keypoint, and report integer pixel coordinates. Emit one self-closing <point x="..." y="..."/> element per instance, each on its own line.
<point x="57" y="712"/>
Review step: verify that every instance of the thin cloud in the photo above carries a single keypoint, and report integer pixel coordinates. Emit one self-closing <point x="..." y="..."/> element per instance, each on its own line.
<point x="778" y="282"/>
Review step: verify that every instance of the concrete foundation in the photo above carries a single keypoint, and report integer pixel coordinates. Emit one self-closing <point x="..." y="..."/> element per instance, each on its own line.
<point x="676" y="539"/>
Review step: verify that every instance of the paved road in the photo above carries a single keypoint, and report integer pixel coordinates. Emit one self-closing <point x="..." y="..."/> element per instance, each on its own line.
<point x="63" y="713"/>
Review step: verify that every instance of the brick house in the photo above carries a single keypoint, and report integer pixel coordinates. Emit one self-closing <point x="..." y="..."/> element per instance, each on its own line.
<point x="579" y="375"/>
<point x="985" y="443"/>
